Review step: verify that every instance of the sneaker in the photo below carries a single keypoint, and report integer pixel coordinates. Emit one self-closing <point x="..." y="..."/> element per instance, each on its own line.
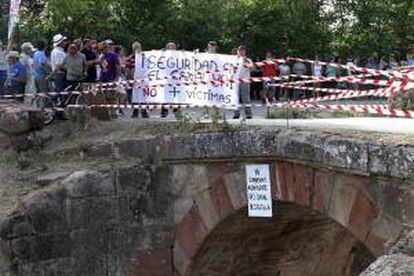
<point x="235" y="117"/>
<point x="249" y="117"/>
<point x="135" y="113"/>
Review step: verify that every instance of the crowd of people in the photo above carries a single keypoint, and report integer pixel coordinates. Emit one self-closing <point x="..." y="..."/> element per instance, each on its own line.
<point x="67" y="63"/>
<point x="271" y="92"/>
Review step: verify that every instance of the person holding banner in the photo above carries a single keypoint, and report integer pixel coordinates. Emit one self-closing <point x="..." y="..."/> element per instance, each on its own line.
<point x="244" y="88"/>
<point x="171" y="46"/>
<point x="130" y="65"/>
<point x="212" y="47"/>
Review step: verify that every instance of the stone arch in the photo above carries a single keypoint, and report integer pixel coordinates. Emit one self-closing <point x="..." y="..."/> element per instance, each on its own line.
<point x="296" y="242"/>
<point x="213" y="192"/>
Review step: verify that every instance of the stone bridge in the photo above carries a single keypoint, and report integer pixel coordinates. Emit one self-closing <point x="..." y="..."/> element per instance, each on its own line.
<point x="176" y="205"/>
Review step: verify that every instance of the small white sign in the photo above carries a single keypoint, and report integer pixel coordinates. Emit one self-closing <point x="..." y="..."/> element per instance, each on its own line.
<point x="259" y="196"/>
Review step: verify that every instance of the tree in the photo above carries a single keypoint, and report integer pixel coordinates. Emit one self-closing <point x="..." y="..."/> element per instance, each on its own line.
<point x="4" y="11"/>
<point x="289" y="27"/>
<point x="365" y="28"/>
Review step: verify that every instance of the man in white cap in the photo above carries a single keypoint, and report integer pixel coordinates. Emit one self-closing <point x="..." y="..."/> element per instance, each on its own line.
<point x="27" y="60"/>
<point x="56" y="58"/>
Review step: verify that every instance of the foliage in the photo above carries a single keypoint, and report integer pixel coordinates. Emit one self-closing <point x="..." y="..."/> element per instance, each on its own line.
<point x="378" y="28"/>
<point x="185" y="124"/>
<point x="216" y="122"/>
<point x="290" y="27"/>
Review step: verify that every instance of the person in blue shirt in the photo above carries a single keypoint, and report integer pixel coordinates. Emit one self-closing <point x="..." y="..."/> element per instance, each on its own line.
<point x="17" y="74"/>
<point x="41" y="68"/>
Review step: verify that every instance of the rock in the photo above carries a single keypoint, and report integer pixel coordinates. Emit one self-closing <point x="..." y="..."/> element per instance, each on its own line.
<point x="90" y="184"/>
<point x="404" y="245"/>
<point x="46" y="210"/>
<point x="5" y="261"/>
<point x="391" y="265"/>
<point x="18" y="142"/>
<point x="18" y="119"/>
<point x="50" y="178"/>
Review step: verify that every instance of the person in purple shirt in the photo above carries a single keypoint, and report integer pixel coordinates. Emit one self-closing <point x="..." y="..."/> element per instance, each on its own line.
<point x="110" y="65"/>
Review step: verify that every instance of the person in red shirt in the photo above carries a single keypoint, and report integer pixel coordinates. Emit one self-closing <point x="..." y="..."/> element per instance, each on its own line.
<point x="271" y="70"/>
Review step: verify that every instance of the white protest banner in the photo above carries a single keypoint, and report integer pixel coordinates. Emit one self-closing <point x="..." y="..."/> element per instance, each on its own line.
<point x="161" y="70"/>
<point x="13" y="19"/>
<point x="258" y="191"/>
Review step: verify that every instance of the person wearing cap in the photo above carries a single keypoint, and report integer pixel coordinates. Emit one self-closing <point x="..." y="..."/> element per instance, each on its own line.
<point x="92" y="60"/>
<point x="41" y="69"/>
<point x="56" y="58"/>
<point x="244" y="88"/>
<point x="111" y="44"/>
<point x="110" y="65"/>
<point x="3" y="68"/>
<point x="26" y="59"/>
<point x="17" y="74"/>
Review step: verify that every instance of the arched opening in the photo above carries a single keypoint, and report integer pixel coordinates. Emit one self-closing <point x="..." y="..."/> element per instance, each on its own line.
<point x="295" y="242"/>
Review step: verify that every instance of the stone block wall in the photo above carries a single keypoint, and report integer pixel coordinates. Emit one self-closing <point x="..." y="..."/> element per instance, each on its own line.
<point x="156" y="217"/>
<point x="93" y="223"/>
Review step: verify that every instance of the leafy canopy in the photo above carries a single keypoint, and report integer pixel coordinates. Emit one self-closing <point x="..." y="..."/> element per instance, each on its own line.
<point x="359" y="28"/>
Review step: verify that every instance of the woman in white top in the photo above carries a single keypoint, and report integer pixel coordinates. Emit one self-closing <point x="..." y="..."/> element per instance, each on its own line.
<point x="27" y="60"/>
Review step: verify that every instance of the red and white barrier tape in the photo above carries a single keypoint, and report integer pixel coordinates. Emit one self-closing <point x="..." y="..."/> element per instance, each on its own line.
<point x="382" y="93"/>
<point x="177" y="84"/>
<point x="211" y="82"/>
<point x="375" y="72"/>
<point x="379" y="110"/>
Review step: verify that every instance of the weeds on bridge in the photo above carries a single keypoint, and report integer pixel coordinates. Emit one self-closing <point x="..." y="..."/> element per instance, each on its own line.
<point x="216" y="122"/>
